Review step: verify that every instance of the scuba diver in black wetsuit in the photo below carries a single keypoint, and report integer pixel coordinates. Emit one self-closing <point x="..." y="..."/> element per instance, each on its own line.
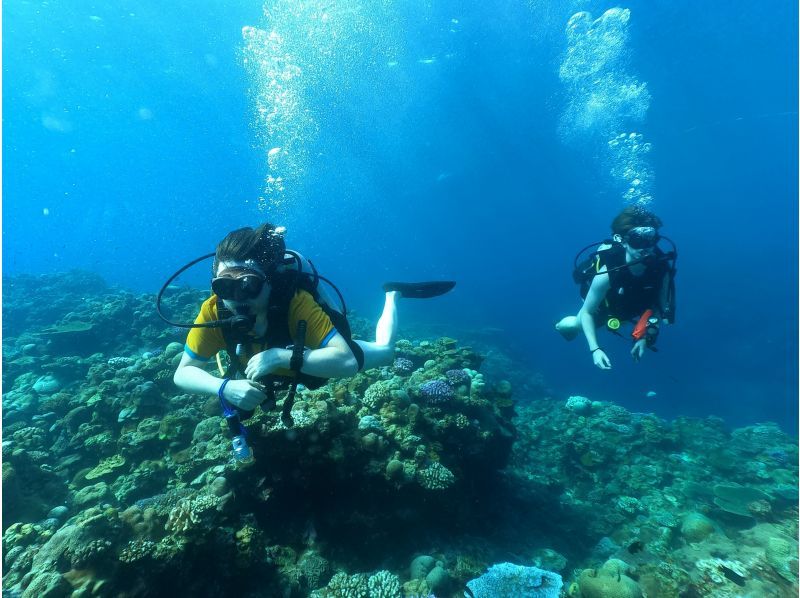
<point x="628" y="278"/>
<point x="279" y="326"/>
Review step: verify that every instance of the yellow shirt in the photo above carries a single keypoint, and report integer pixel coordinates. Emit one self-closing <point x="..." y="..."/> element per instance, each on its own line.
<point x="204" y="343"/>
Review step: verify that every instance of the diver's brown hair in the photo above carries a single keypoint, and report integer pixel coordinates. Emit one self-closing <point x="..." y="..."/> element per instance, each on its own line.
<point x="634" y="216"/>
<point x="264" y="245"/>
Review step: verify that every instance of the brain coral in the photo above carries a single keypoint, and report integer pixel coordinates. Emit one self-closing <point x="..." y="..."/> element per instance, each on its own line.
<point x="609" y="581"/>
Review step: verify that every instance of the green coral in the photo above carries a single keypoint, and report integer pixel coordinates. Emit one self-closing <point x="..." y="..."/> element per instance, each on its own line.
<point x="696" y="527"/>
<point x="100" y="443"/>
<point x="377" y="394"/>
<point x="176" y="428"/>
<point x="249" y="545"/>
<point x="781" y="554"/>
<point x="29" y="438"/>
<point x="137" y="550"/>
<point x="395" y="469"/>
<point x="21" y="534"/>
<point x="106" y="467"/>
<point x="90" y="495"/>
<point x="610" y="581"/>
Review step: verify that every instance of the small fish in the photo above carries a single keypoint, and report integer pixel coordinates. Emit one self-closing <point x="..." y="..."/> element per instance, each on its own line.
<point x="310" y="535"/>
<point x="636" y="546"/>
<point x="44" y="416"/>
<point x="427" y="60"/>
<point x="651" y="394"/>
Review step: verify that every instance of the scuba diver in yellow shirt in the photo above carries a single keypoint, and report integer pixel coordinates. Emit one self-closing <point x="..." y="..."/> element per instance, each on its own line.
<point x="279" y="325"/>
<point x="628" y="278"/>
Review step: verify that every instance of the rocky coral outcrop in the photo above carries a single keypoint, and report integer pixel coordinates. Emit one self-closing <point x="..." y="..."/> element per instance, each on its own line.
<point x="116" y="483"/>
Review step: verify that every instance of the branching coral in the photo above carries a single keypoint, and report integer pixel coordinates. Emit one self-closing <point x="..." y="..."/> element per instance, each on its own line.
<point x="435" y="477"/>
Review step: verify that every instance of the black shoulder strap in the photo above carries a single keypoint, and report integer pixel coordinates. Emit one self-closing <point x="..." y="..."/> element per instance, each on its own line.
<point x="283" y="291"/>
<point x="231" y="338"/>
<point x="295" y="363"/>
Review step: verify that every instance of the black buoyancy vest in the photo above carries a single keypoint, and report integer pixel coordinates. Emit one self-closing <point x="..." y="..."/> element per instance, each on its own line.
<point x="630" y="295"/>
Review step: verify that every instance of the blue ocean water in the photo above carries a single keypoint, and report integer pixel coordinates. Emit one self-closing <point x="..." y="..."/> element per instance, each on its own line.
<point x="431" y="140"/>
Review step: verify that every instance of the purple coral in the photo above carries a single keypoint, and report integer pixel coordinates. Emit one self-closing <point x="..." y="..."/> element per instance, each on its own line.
<point x="403" y="366"/>
<point x="436" y="391"/>
<point x="457" y="377"/>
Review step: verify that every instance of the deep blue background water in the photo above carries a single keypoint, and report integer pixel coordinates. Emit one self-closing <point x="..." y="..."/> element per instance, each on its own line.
<point x="450" y="169"/>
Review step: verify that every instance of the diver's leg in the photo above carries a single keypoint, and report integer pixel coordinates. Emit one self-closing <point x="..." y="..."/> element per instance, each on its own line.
<point x="386" y="330"/>
<point x="376" y="355"/>
<point x="569" y="326"/>
<point x="381" y="352"/>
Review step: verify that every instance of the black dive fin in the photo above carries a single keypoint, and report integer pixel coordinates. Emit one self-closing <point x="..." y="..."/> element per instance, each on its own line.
<point x="420" y="290"/>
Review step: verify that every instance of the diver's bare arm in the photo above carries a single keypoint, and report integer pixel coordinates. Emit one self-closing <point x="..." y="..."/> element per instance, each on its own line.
<point x="596" y="294"/>
<point x="335" y="360"/>
<point x="191" y="377"/>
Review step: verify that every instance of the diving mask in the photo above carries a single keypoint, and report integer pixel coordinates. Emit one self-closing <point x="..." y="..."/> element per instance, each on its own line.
<point x="238" y="284"/>
<point x="642" y="237"/>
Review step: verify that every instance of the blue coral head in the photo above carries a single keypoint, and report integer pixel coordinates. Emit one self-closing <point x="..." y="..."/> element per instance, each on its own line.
<point x="403" y="366"/>
<point x="436" y="391"/>
<point x="457" y="377"/>
<point x="508" y="579"/>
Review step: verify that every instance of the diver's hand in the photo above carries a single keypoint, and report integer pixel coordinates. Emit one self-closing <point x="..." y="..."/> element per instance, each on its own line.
<point x="638" y="349"/>
<point x="265" y="363"/>
<point x="245" y="394"/>
<point x="601" y="360"/>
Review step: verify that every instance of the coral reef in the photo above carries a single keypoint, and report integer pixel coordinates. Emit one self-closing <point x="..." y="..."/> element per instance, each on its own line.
<point x="406" y="480"/>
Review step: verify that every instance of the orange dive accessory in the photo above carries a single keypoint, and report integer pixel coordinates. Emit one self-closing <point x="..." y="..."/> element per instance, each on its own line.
<point x="641" y="326"/>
